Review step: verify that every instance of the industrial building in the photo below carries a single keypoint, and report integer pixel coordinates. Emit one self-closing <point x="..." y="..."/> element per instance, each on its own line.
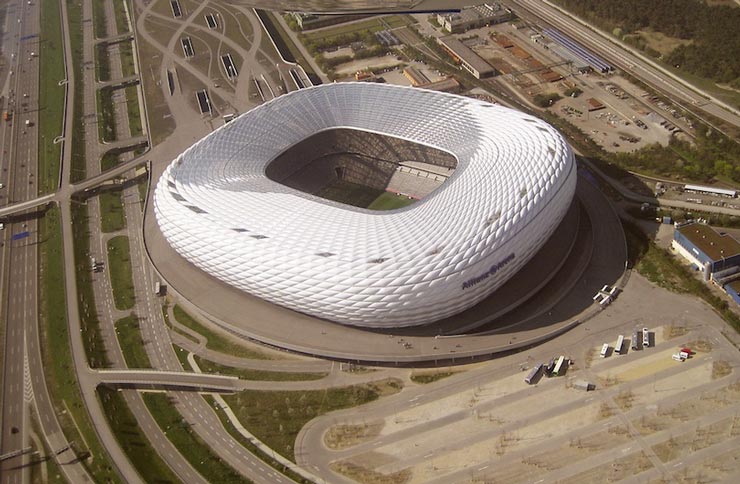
<point x="473" y="18"/>
<point x="710" y="190"/>
<point x="594" y="61"/>
<point x="469" y="60"/>
<point x="715" y="254"/>
<point x="416" y="77"/>
<point x="237" y="204"/>
<point x="709" y="251"/>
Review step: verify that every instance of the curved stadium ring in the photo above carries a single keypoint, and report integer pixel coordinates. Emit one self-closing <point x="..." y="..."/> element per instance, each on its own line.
<point x="219" y="206"/>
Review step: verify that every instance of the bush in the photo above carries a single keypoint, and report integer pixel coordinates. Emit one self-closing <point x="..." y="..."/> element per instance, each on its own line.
<point x="546" y="100"/>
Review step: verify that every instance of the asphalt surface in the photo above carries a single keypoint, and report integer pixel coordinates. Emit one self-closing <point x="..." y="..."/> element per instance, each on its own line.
<point x="313" y="454"/>
<point x="19" y="256"/>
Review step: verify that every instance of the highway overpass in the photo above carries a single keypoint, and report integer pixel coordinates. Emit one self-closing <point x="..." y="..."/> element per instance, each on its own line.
<point x="168" y="380"/>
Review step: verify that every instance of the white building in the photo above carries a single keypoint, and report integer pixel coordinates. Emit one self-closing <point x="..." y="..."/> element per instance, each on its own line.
<point x="513" y="183"/>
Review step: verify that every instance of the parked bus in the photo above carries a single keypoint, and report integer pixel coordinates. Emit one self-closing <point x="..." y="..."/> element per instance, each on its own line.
<point x="604" y="350"/>
<point x="550" y="367"/>
<point x="534" y="375"/>
<point x="635" y="340"/>
<point x="559" y="366"/>
<point x="645" y="337"/>
<point x="618" y="346"/>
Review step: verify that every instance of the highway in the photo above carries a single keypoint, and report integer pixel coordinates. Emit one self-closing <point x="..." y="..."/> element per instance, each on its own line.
<point x="629" y="60"/>
<point x="24" y="383"/>
<point x="19" y="252"/>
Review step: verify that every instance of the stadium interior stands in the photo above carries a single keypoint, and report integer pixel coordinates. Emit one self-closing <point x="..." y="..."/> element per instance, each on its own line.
<point x="362" y="158"/>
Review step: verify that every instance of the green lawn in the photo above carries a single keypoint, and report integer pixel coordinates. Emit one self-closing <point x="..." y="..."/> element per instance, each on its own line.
<point x="102" y="62"/>
<point x="425" y="378"/>
<point x="79" y="167"/>
<point x="390" y="201"/>
<point x="210" y="367"/>
<point x="182" y="355"/>
<point x="192" y="447"/>
<point x="132" y="343"/>
<point x="140" y="452"/>
<point x="217" y="342"/>
<point x="51" y="96"/>
<point x="99" y="26"/>
<point x="119" y="265"/>
<point x="61" y="379"/>
<point x="121" y="23"/>
<point x="350" y="193"/>
<point x="112" y="215"/>
<point x="143" y="186"/>
<point x="132" y="108"/>
<point x="276" y="417"/>
<point x="106" y="115"/>
<point x="126" y="50"/>
<point x="110" y="160"/>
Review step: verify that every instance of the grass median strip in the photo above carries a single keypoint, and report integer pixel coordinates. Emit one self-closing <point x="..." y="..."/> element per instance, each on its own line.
<point x="119" y="264"/>
<point x="134" y="443"/>
<point x="187" y="442"/>
<point x="57" y="355"/>
<point x="106" y="115"/>
<point x="211" y="367"/>
<point x="132" y="109"/>
<point x="112" y="215"/>
<point x="51" y="96"/>
<point x="217" y="342"/>
<point x="276" y="417"/>
<point x="132" y="343"/>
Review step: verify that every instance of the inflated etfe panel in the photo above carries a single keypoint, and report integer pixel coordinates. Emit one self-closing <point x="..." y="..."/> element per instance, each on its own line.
<point x="514" y="181"/>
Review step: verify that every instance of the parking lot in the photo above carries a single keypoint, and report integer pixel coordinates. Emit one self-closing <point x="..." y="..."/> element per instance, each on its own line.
<point x="649" y="417"/>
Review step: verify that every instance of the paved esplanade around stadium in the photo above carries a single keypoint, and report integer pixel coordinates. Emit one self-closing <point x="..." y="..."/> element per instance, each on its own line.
<point x="557" y="292"/>
<point x="223" y="206"/>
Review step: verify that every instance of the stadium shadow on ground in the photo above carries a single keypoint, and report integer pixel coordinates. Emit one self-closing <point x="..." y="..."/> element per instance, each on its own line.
<point x="356" y="167"/>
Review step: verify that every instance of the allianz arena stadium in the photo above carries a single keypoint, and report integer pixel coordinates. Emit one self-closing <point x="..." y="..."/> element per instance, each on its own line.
<point x="248" y="203"/>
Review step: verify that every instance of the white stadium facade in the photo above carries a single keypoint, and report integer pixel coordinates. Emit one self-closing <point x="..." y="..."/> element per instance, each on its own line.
<point x="222" y="206"/>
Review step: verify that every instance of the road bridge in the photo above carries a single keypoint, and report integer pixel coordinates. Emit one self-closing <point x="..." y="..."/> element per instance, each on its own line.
<point x="119" y="83"/>
<point x="116" y="39"/>
<point x="168" y="380"/>
<point x="26" y="205"/>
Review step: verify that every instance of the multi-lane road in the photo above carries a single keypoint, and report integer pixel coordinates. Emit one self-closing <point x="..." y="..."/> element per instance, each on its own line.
<point x="19" y="307"/>
<point x="24" y="384"/>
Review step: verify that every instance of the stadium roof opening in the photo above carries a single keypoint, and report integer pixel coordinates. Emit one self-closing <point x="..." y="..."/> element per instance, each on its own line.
<point x="362" y="168"/>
